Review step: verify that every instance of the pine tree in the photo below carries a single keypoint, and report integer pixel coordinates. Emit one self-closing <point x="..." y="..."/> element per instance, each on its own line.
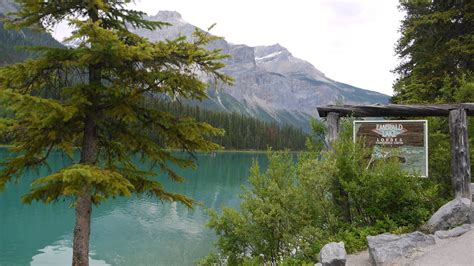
<point x="437" y="52"/>
<point x="102" y="87"/>
<point x="436" y="48"/>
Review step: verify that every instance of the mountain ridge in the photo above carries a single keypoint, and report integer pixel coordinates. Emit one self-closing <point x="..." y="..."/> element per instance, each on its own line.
<point x="271" y="83"/>
<point x="269" y="78"/>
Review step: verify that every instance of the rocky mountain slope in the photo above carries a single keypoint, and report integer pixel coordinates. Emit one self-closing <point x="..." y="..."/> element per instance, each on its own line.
<point x="7" y="6"/>
<point x="270" y="82"/>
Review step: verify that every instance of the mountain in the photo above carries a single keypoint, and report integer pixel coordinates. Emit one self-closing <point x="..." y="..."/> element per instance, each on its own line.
<point x="7" y="6"/>
<point x="270" y="83"/>
<point x="12" y="40"/>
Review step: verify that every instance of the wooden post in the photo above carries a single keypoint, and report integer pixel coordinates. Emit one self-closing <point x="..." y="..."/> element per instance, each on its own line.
<point x="333" y="127"/>
<point x="460" y="163"/>
<point x="333" y="119"/>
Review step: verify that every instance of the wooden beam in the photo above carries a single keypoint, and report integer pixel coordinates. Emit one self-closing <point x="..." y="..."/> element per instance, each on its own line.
<point x="460" y="163"/>
<point x="397" y="110"/>
<point x="333" y="127"/>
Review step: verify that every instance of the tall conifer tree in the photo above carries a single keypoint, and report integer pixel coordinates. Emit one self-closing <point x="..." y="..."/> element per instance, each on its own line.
<point x="101" y="89"/>
<point x="436" y="49"/>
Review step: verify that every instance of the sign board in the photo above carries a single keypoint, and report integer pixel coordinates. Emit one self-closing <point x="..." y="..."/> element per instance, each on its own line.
<point x="406" y="139"/>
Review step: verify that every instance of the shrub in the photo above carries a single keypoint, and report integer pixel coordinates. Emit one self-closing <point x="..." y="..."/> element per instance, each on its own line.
<point x="293" y="208"/>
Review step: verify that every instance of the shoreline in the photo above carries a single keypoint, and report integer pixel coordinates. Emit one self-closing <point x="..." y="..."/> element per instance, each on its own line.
<point x="197" y="151"/>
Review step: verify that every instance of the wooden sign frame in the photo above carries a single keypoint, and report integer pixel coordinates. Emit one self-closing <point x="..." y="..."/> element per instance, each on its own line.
<point x="425" y="134"/>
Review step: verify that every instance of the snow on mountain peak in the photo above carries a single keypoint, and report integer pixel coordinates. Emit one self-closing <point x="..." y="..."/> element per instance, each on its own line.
<point x="268" y="57"/>
<point x="269" y="80"/>
<point x="262" y="51"/>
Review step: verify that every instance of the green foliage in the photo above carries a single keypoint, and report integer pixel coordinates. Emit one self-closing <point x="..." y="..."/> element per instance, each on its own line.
<point x="71" y="181"/>
<point x="293" y="208"/>
<point x="241" y="132"/>
<point x="439" y="153"/>
<point x="102" y="91"/>
<point x="377" y="190"/>
<point x="317" y="141"/>
<point x="437" y="52"/>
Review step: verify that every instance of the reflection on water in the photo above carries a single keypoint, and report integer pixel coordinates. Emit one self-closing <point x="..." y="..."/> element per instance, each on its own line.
<point x="59" y="255"/>
<point x="136" y="231"/>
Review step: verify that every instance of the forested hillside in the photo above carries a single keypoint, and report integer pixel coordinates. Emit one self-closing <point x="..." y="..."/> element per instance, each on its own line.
<point x="242" y="132"/>
<point x="12" y="40"/>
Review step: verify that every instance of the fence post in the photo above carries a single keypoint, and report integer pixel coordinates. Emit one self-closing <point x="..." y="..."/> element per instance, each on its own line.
<point x="333" y="119"/>
<point x="460" y="163"/>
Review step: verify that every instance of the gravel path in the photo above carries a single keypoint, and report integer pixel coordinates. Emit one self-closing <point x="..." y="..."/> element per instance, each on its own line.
<point x="457" y="251"/>
<point x="358" y="259"/>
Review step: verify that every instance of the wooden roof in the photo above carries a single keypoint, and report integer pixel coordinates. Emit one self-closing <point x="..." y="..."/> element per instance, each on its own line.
<point x="397" y="110"/>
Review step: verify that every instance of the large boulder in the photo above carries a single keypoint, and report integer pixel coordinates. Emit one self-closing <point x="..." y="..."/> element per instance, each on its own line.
<point x="386" y="248"/>
<point x="455" y="232"/>
<point x="451" y="214"/>
<point x="333" y="254"/>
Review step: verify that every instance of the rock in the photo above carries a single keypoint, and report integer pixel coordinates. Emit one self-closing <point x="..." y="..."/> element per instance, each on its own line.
<point x="451" y="214"/>
<point x="472" y="213"/>
<point x="385" y="248"/>
<point x="270" y="82"/>
<point x="333" y="254"/>
<point x="472" y="191"/>
<point x="455" y="232"/>
<point x="472" y="205"/>
<point x="318" y="264"/>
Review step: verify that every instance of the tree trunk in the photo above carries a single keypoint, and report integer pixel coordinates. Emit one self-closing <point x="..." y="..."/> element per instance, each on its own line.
<point x="80" y="255"/>
<point x="82" y="229"/>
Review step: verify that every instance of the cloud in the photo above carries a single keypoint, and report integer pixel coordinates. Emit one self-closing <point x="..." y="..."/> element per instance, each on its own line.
<point x="349" y="40"/>
<point x="344" y="9"/>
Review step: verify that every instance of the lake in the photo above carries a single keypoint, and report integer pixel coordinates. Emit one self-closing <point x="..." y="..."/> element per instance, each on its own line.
<point x="125" y="231"/>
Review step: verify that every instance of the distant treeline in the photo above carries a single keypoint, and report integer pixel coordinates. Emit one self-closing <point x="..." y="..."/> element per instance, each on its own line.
<point x="242" y="132"/>
<point x="11" y="42"/>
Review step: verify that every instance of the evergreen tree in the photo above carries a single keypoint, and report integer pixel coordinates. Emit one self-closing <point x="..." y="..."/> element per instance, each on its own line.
<point x="437" y="52"/>
<point x="103" y="86"/>
<point x="241" y="132"/>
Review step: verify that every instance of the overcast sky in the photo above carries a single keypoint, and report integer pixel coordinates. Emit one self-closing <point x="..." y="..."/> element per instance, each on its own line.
<point x="351" y="41"/>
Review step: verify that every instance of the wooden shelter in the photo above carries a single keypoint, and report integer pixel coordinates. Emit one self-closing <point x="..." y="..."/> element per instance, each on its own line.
<point x="457" y="113"/>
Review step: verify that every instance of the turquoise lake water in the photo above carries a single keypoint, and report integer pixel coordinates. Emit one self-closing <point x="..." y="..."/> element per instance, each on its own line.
<point x="125" y="231"/>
